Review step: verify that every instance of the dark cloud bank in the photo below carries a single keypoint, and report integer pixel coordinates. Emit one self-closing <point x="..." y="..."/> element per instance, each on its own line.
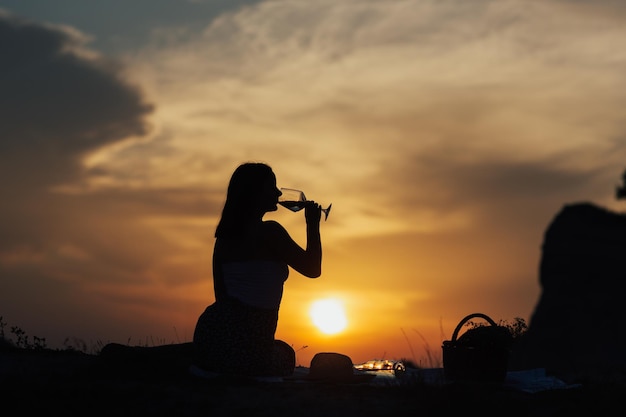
<point x="59" y="102"/>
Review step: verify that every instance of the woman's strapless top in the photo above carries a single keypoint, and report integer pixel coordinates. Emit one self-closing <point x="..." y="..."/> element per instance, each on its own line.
<point x="257" y="283"/>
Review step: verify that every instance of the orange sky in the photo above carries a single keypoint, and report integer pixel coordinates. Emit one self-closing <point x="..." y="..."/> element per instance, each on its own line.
<point x="447" y="135"/>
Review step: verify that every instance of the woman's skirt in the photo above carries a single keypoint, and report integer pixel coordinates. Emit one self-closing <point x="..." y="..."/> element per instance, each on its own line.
<point x="236" y="338"/>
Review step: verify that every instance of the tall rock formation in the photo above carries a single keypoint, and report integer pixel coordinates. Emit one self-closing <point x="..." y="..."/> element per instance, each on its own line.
<point x="578" y="328"/>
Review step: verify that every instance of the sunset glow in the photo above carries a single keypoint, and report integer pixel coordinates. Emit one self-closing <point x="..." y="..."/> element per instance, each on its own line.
<point x="446" y="135"/>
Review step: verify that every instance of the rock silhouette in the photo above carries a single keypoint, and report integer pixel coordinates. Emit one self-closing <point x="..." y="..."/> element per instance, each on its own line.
<point x="578" y="328"/>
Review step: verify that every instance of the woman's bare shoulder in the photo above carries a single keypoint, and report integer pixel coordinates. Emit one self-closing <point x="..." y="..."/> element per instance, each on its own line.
<point x="272" y="227"/>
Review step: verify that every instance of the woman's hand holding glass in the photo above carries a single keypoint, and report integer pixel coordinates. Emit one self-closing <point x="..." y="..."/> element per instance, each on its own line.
<point x="312" y="212"/>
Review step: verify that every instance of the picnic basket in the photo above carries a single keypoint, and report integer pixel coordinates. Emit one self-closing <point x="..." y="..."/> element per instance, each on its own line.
<point x="481" y="354"/>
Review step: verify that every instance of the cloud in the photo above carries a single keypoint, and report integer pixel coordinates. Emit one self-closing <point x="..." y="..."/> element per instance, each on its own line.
<point x="60" y="102"/>
<point x="445" y="133"/>
<point x="481" y="87"/>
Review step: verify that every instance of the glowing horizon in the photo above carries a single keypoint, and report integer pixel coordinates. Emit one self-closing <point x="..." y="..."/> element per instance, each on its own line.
<point x="446" y="136"/>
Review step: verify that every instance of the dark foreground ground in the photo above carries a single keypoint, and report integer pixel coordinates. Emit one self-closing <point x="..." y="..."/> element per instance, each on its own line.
<point x="67" y="384"/>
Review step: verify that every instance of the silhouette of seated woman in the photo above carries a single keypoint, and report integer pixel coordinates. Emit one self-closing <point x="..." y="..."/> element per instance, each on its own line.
<point x="251" y="260"/>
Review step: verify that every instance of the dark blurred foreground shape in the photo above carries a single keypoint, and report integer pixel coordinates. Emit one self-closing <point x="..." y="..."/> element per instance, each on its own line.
<point x="171" y="361"/>
<point x="577" y="331"/>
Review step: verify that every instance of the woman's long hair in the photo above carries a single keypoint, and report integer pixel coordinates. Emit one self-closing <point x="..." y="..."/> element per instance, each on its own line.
<point x="242" y="198"/>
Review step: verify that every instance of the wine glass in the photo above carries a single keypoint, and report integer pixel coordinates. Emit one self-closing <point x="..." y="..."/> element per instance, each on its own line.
<point x="295" y="200"/>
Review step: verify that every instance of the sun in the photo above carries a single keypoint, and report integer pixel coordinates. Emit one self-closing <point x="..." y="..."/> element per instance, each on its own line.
<point x="328" y="316"/>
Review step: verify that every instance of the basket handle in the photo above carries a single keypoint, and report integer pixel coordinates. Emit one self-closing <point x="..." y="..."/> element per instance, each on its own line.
<point x="469" y="317"/>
